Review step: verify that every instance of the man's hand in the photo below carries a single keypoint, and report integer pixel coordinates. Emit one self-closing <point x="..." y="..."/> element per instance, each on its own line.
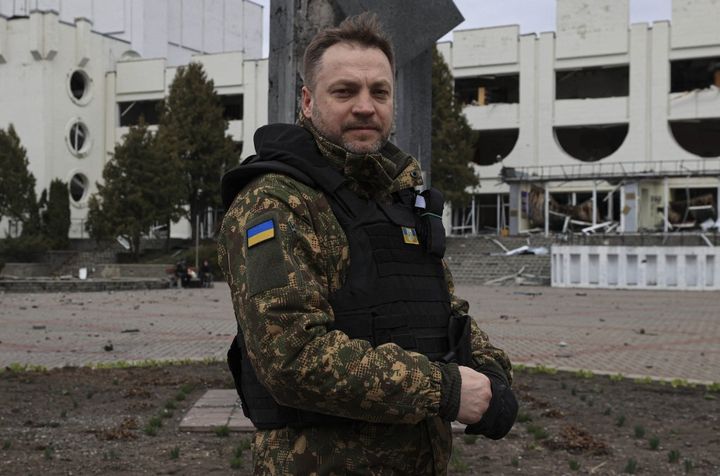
<point x="475" y="395"/>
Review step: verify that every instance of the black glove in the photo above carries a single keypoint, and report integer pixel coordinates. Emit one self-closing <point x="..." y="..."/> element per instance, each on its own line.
<point x="500" y="415"/>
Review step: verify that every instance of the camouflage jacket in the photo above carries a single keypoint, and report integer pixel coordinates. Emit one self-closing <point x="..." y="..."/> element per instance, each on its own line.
<point x="280" y="297"/>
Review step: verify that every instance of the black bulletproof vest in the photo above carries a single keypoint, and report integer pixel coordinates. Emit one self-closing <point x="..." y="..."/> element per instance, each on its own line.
<point x="395" y="290"/>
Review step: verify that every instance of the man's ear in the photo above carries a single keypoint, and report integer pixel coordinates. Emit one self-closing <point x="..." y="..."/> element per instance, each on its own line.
<point x="307" y="102"/>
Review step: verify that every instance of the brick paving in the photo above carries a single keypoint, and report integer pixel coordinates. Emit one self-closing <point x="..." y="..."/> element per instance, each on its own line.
<point x="659" y="334"/>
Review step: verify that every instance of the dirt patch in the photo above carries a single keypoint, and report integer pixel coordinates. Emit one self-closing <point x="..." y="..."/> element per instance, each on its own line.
<point x="125" y="421"/>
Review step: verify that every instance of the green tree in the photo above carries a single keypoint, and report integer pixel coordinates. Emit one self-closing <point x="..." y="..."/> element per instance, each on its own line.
<point x="452" y="138"/>
<point x="139" y="190"/>
<point x="192" y="133"/>
<point x="18" y="200"/>
<point x="55" y="216"/>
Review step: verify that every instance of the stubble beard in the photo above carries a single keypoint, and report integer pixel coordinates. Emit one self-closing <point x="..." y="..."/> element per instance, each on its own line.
<point x="371" y="148"/>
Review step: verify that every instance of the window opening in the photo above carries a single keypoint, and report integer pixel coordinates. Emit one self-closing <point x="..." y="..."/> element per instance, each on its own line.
<point x="78" y="187"/>
<point x="78" y="84"/>
<point x="698" y="73"/>
<point x="700" y="137"/>
<point x="691" y="207"/>
<point x="492" y="146"/>
<point x="483" y="90"/>
<point x="232" y="106"/>
<point x="591" y="143"/>
<point x="78" y="138"/>
<point x="132" y="111"/>
<point x="591" y="83"/>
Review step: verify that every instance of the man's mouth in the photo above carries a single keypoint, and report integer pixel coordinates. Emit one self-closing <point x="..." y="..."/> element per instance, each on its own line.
<point x="362" y="128"/>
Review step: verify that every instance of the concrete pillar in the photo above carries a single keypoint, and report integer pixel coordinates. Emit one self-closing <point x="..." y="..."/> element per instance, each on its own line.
<point x="546" y="210"/>
<point x="514" y="208"/>
<point x="292" y="24"/>
<point x="666" y="205"/>
<point x="594" y="203"/>
<point x="629" y="207"/>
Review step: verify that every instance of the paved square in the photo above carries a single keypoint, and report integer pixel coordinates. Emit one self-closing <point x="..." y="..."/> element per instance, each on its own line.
<point x="649" y="333"/>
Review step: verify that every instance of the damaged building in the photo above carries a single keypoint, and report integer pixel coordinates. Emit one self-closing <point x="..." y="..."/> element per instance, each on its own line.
<point x="601" y="126"/>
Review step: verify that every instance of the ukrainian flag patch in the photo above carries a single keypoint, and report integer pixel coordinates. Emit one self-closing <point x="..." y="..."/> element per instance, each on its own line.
<point x="410" y="236"/>
<point x="261" y="232"/>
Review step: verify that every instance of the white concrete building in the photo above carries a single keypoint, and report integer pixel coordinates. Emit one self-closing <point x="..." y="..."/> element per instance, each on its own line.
<point x="605" y="121"/>
<point x="170" y="29"/>
<point x="71" y="92"/>
<point x="608" y="123"/>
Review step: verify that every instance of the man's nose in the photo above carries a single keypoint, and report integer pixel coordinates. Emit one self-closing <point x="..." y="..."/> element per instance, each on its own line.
<point x="364" y="105"/>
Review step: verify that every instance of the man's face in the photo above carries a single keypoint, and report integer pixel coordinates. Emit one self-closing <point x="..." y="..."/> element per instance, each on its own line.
<point x="351" y="103"/>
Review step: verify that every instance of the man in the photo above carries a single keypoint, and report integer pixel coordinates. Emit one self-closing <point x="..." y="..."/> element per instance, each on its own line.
<point x="349" y="335"/>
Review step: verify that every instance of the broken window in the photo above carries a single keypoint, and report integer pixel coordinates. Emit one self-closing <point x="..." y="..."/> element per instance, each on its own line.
<point x="492" y="146"/>
<point x="573" y="211"/>
<point x="233" y="106"/>
<point x="698" y="73"/>
<point x="492" y="212"/>
<point x="591" y="143"/>
<point x="692" y="207"/>
<point x="698" y="136"/>
<point x="132" y="111"/>
<point x="483" y="90"/>
<point x="587" y="83"/>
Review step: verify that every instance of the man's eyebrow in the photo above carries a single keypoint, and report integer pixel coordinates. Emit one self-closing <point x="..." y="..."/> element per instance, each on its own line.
<point x="381" y="83"/>
<point x="344" y="82"/>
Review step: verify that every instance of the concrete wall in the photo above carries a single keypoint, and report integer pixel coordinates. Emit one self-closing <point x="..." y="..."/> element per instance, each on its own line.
<point x="642" y="267"/>
<point x="172" y="29"/>
<point x="40" y="54"/>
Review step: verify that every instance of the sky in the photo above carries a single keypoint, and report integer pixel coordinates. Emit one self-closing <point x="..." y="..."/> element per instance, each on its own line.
<point x="533" y="16"/>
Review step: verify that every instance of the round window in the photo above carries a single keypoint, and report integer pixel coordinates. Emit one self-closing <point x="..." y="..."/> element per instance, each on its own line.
<point x="78" y="138"/>
<point x="78" y="187"/>
<point x="79" y="87"/>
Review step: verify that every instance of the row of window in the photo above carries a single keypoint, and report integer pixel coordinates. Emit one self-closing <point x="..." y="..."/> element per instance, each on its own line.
<point x="587" y="83"/>
<point x="149" y="110"/>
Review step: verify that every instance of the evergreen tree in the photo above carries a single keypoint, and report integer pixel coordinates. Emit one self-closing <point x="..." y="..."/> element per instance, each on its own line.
<point x="18" y="200"/>
<point x="192" y="132"/>
<point x="56" y="214"/>
<point x="139" y="189"/>
<point x="452" y="138"/>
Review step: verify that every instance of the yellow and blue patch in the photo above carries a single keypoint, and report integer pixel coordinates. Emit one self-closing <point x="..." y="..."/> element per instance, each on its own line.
<point x="261" y="232"/>
<point x="410" y="236"/>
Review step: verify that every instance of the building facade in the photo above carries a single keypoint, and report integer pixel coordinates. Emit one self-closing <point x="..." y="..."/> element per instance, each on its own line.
<point x="601" y="125"/>
<point x="71" y="93"/>
<point x="170" y="29"/>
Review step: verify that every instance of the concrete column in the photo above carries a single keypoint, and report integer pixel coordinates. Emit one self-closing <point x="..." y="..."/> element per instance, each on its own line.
<point x="414" y="103"/>
<point x="546" y="210"/>
<point x="474" y="221"/>
<point x="629" y="206"/>
<point x="3" y="41"/>
<point x="514" y="208"/>
<point x="498" y="214"/>
<point x="292" y="24"/>
<point x="594" y="203"/>
<point x="666" y="204"/>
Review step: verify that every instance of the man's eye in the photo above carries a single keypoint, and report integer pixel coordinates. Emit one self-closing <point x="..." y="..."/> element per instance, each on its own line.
<point x="382" y="93"/>
<point x="342" y="92"/>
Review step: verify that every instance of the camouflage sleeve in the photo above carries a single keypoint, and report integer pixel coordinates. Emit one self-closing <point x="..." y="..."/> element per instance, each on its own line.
<point x="484" y="353"/>
<point x="280" y="290"/>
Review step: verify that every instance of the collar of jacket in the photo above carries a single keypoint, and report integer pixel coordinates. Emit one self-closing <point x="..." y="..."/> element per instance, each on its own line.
<point x="374" y="176"/>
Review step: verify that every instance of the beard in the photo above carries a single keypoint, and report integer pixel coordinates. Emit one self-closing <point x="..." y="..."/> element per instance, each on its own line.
<point x="354" y="146"/>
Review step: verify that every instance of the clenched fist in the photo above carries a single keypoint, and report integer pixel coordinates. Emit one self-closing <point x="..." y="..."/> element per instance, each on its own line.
<point x="475" y="395"/>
